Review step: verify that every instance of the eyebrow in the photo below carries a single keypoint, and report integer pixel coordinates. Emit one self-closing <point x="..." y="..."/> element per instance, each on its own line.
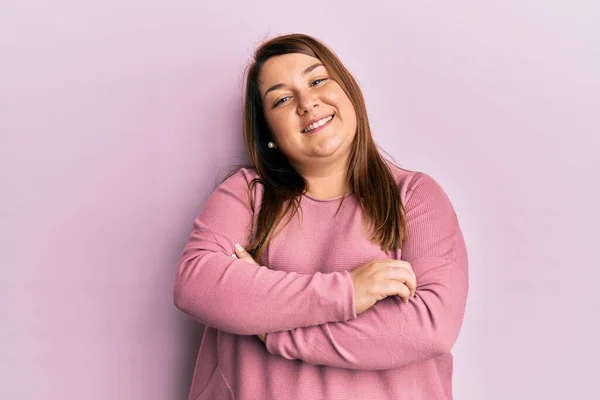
<point x="306" y="71"/>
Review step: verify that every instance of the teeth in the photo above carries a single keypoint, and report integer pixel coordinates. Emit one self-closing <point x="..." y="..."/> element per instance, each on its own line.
<point x="319" y="123"/>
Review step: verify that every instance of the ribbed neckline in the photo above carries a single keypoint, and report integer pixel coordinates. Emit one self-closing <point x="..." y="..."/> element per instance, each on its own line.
<point x="326" y="200"/>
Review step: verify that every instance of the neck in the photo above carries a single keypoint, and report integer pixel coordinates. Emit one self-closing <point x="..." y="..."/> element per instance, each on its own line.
<point x="326" y="182"/>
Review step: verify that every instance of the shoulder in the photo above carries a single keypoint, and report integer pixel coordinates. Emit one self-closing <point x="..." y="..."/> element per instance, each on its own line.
<point x="420" y="183"/>
<point x="243" y="184"/>
<point x="232" y="197"/>
<point x="240" y="178"/>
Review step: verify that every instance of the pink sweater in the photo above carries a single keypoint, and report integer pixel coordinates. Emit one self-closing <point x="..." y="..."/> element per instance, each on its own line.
<point x="302" y="296"/>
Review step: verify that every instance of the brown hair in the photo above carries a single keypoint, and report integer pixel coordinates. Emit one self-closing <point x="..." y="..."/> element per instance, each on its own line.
<point x="369" y="177"/>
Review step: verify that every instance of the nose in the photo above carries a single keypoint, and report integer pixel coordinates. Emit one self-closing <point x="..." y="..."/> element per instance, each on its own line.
<point x="306" y="102"/>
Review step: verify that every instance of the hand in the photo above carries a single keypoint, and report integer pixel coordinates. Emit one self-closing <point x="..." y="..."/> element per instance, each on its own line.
<point x="379" y="279"/>
<point x="242" y="254"/>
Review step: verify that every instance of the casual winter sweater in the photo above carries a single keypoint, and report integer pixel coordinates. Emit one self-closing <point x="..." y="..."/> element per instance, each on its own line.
<point x="301" y="294"/>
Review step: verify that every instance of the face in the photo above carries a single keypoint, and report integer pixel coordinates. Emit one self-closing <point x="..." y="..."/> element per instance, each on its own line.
<point x="311" y="118"/>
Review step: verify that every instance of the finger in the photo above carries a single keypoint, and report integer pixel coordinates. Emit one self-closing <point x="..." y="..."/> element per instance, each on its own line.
<point x="405" y="276"/>
<point x="413" y="290"/>
<point x="402" y="291"/>
<point x="412" y="282"/>
<point x="399" y="263"/>
<point x="408" y="281"/>
<point x="409" y="267"/>
<point x="242" y="254"/>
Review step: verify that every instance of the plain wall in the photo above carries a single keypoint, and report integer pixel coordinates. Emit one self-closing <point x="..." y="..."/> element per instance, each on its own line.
<point x="116" y="118"/>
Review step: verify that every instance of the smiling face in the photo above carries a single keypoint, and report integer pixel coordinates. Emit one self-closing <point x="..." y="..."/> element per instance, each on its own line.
<point x="312" y="120"/>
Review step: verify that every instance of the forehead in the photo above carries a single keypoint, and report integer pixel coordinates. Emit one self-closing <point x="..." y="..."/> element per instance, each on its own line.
<point x="283" y="68"/>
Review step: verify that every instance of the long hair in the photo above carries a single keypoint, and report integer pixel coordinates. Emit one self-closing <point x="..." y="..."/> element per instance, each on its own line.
<point x="369" y="177"/>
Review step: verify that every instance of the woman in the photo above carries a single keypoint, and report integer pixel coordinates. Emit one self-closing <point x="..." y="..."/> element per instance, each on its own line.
<point x="360" y="281"/>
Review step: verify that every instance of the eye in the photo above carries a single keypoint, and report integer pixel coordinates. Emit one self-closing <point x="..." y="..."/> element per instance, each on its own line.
<point x="280" y="101"/>
<point x="318" y="81"/>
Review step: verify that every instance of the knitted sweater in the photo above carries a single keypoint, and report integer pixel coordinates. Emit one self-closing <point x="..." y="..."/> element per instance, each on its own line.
<point x="302" y="296"/>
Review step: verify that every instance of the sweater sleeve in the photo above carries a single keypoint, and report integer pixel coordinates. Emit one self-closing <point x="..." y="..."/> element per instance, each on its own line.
<point x="242" y="298"/>
<point x="392" y="334"/>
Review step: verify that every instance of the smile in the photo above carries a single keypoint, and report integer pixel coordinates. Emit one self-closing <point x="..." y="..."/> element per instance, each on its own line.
<point x="318" y="124"/>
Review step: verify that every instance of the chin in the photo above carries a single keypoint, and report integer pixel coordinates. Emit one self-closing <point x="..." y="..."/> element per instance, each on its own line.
<point x="328" y="150"/>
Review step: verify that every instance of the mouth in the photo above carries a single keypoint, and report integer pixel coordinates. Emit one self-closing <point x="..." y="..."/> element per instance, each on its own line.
<point x="319" y="124"/>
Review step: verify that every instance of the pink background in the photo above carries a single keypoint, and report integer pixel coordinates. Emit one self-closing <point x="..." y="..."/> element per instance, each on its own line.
<point x="117" y="116"/>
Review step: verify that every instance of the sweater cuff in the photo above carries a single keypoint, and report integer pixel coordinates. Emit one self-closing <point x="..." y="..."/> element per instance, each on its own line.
<point x="278" y="344"/>
<point x="349" y="312"/>
<point x="338" y="298"/>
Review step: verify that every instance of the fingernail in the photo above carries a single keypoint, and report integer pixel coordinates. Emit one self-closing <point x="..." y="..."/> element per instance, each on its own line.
<point x="239" y="247"/>
<point x="233" y="256"/>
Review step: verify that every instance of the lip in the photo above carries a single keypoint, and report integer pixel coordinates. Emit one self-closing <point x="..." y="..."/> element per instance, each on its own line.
<point x="312" y="121"/>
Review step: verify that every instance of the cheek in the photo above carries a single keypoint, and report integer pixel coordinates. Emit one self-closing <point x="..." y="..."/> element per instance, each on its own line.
<point x="339" y="98"/>
<point x="275" y="123"/>
<point x="347" y="108"/>
<point x="280" y="125"/>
